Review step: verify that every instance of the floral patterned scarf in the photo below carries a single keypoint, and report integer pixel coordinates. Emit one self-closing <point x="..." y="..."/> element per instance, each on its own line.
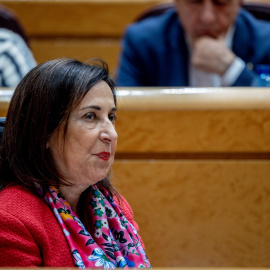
<point x="114" y="241"/>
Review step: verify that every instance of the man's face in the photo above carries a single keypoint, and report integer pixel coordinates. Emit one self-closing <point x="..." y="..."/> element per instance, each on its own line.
<point x="207" y="17"/>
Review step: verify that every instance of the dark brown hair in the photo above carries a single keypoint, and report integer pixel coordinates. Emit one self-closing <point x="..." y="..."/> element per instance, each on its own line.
<point x="42" y="102"/>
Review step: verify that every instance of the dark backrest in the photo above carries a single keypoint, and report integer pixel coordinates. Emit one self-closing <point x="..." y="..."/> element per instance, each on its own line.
<point x="2" y="125"/>
<point x="259" y="10"/>
<point x="9" y="20"/>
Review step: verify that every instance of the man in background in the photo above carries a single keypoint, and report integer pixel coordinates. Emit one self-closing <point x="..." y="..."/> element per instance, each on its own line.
<point x="199" y="43"/>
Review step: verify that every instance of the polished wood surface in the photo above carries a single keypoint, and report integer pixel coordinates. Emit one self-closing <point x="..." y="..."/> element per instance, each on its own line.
<point x="77" y="18"/>
<point x="188" y="98"/>
<point x="200" y="213"/>
<point x="80" y="48"/>
<point x="194" y="163"/>
<point x="189" y="120"/>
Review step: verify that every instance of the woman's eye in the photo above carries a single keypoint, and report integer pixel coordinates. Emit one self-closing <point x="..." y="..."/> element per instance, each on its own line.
<point x="112" y="117"/>
<point x="90" y="116"/>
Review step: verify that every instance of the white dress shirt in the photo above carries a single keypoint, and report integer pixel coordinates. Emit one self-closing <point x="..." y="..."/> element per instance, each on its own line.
<point x="199" y="78"/>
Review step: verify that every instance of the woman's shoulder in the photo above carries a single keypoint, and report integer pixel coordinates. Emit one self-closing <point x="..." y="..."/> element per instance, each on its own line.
<point x="18" y="194"/>
<point x="29" y="232"/>
<point x="20" y="201"/>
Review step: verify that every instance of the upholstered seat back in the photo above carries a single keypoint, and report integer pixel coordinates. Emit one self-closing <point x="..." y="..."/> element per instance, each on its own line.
<point x="259" y="10"/>
<point x="2" y="124"/>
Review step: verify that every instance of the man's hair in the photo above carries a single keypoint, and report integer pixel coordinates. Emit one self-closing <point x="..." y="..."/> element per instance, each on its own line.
<point x="42" y="102"/>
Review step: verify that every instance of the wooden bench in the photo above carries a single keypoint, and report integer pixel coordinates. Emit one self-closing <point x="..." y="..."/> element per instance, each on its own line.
<point x="81" y="29"/>
<point x="195" y="166"/>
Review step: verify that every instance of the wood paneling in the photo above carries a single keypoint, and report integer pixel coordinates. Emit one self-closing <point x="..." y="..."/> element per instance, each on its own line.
<point x="77" y="18"/>
<point x="193" y="131"/>
<point x="195" y="166"/>
<point x="200" y="213"/>
<point x="80" y="48"/>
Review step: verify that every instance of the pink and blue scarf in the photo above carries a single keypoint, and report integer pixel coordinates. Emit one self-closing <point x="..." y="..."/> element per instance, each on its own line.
<point x="113" y="241"/>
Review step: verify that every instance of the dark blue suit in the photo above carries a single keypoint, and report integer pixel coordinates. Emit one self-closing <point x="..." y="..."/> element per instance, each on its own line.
<point x="155" y="52"/>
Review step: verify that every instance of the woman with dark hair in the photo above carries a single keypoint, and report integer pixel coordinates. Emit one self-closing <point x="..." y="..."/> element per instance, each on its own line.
<point x="58" y="207"/>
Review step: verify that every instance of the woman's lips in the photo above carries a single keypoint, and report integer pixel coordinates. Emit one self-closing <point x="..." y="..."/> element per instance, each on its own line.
<point x="104" y="155"/>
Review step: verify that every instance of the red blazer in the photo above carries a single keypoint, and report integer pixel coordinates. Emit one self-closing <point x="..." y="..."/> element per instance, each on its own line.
<point x="29" y="232"/>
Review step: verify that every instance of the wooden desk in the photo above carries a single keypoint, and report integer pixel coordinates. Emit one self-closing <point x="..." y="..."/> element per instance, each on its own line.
<point x="195" y="166"/>
<point x="194" y="163"/>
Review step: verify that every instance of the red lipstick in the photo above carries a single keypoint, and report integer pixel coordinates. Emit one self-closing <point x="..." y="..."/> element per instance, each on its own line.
<point x="104" y="155"/>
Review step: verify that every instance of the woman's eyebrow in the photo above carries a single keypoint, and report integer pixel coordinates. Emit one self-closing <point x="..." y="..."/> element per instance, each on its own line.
<point x="91" y="107"/>
<point x="114" y="109"/>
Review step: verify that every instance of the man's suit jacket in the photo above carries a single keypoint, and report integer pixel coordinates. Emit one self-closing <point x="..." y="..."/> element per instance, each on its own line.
<point x="155" y="51"/>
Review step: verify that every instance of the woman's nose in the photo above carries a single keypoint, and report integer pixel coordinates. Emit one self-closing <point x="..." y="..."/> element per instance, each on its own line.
<point x="108" y="133"/>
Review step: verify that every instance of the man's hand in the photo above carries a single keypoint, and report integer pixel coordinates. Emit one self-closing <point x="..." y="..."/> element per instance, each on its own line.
<point x="212" y="55"/>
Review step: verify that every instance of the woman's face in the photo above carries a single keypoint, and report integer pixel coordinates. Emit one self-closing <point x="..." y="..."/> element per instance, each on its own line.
<point x="87" y="154"/>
